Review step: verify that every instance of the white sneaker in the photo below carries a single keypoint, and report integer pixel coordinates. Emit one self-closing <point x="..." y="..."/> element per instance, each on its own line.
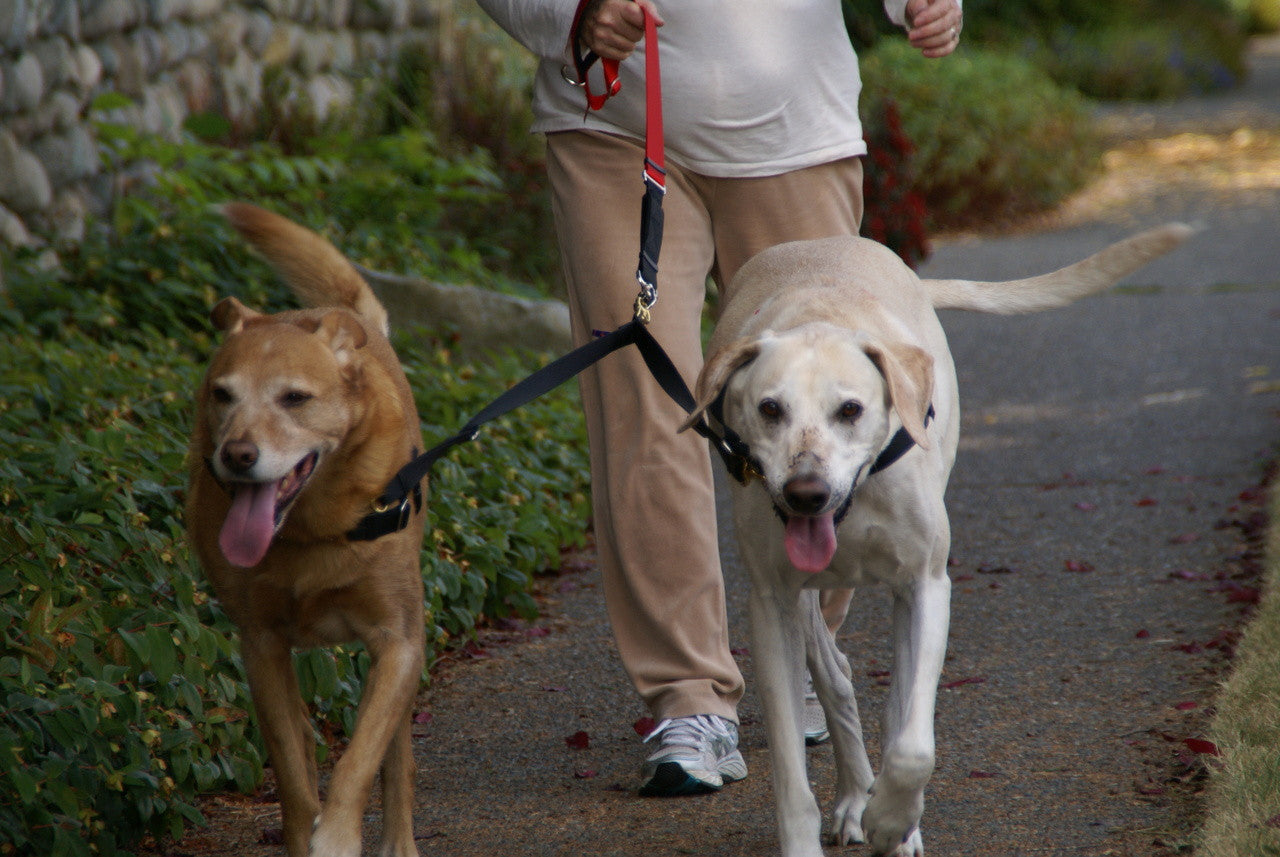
<point x="697" y="754"/>
<point x="813" y="720"/>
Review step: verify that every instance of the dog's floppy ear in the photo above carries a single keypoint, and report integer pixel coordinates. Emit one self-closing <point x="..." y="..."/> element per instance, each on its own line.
<point x="716" y="372"/>
<point x="908" y="373"/>
<point x="230" y="316"/>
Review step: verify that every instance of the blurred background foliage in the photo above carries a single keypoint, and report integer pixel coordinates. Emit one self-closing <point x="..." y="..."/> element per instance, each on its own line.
<point x="121" y="695"/>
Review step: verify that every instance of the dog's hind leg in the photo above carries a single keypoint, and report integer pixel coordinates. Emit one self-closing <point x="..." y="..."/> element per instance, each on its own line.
<point x="921" y="617"/>
<point x="777" y="646"/>
<point x="286" y="729"/>
<point x="831" y="675"/>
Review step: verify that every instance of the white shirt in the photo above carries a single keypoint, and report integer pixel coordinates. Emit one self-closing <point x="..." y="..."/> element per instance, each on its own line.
<point x="749" y="87"/>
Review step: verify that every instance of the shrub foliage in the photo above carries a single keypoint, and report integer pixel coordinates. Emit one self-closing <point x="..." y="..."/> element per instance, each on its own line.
<point x="993" y="136"/>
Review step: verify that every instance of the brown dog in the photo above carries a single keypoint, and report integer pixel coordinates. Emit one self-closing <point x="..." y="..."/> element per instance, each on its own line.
<point x="303" y="418"/>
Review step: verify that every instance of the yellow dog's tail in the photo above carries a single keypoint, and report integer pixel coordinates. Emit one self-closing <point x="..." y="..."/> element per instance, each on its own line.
<point x="312" y="267"/>
<point x="1100" y="271"/>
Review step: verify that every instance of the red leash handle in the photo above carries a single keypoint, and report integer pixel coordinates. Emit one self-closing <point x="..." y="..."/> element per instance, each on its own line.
<point x="655" y="174"/>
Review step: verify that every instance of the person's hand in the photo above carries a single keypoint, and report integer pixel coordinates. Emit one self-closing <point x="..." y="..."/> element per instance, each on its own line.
<point x="934" y="26"/>
<point x="613" y="28"/>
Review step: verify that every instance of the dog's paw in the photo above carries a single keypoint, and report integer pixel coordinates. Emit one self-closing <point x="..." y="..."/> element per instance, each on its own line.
<point x="846" y="820"/>
<point x="891" y="823"/>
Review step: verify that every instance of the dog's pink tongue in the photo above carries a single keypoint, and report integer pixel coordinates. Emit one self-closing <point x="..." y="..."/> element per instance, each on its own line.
<point x="247" y="531"/>
<point x="811" y="542"/>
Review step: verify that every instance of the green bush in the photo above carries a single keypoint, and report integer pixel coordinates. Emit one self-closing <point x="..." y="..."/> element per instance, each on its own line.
<point x="1146" y="61"/>
<point x="121" y="694"/>
<point x="1145" y="49"/>
<point x="994" y="136"/>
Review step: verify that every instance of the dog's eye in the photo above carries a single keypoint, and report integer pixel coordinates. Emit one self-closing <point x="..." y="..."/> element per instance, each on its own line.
<point x="294" y="398"/>
<point x="770" y="409"/>
<point x="221" y="395"/>
<point x="849" y="411"/>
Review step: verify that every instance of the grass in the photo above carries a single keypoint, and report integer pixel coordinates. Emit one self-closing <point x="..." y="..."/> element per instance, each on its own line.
<point x="1243" y="805"/>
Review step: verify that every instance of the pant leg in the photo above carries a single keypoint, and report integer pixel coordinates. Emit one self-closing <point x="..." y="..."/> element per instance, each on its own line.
<point x="749" y="215"/>
<point x="652" y="491"/>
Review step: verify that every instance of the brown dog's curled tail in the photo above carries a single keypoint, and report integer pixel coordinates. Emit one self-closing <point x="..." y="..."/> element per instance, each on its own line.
<point x="312" y="267"/>
<point x="1100" y="271"/>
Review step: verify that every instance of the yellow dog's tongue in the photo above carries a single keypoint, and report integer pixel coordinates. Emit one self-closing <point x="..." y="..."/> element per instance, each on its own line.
<point x="247" y="531"/>
<point x="811" y="542"/>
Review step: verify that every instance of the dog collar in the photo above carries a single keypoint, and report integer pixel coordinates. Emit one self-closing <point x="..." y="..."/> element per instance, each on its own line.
<point x="386" y="519"/>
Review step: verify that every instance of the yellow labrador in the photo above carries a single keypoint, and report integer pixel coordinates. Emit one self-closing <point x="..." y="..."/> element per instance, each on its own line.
<point x="828" y="354"/>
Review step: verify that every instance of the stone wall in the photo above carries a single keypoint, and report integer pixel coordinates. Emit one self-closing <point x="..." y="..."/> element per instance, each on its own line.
<point x="170" y="58"/>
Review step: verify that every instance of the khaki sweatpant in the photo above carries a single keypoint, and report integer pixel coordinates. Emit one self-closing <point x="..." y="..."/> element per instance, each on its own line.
<point x="652" y="493"/>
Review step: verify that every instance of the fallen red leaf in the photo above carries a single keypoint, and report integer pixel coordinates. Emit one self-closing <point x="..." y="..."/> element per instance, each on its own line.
<point x="588" y="774"/>
<point x="1186" y="706"/>
<point x="974" y="679"/>
<point x="1147" y="501"/>
<point x="1201" y="746"/>
<point x="878" y="673"/>
<point x="1150" y="789"/>
<point x="1078" y="566"/>
<point x="1142" y="634"/>
<point x="578" y="740"/>
<point x="423" y="717"/>
<point x="1244" y="595"/>
<point x="961" y="578"/>
<point x="644" y="726"/>
<point x="1155" y="470"/>
<point x="538" y="632"/>
<point x="554" y="688"/>
<point x="1191" y="648"/>
<point x="1086" y="507"/>
<point x="1273" y="821"/>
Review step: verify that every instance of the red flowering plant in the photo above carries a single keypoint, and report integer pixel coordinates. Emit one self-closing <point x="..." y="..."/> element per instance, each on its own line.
<point x="894" y="211"/>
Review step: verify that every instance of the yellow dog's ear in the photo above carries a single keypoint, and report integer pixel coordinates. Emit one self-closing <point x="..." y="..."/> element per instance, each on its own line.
<point x="716" y="372"/>
<point x="908" y="373"/>
<point x="230" y="316"/>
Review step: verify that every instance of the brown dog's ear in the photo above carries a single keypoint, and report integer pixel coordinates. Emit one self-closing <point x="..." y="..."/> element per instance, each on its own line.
<point x="343" y="334"/>
<point x="230" y="316"/>
<point x="716" y="372"/>
<point x="908" y="373"/>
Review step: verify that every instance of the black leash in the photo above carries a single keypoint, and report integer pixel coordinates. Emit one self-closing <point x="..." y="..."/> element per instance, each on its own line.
<point x="403" y="494"/>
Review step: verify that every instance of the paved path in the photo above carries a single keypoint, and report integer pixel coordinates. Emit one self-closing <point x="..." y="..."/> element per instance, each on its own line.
<point x="1111" y="436"/>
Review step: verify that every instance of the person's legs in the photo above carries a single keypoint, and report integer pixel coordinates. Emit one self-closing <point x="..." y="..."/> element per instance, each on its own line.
<point x="652" y="491"/>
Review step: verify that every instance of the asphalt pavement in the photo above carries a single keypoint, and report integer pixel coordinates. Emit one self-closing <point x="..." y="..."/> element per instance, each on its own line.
<point x="1103" y="451"/>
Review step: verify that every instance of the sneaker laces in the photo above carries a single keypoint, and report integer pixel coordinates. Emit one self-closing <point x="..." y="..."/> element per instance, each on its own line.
<point x="692" y="731"/>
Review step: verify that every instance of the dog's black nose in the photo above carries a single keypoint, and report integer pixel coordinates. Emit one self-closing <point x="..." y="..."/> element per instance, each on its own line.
<point x="806" y="495"/>
<point x="239" y="455"/>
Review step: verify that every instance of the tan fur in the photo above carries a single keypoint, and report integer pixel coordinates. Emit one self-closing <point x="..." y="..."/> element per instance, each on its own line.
<point x="314" y="587"/>
<point x="823" y="349"/>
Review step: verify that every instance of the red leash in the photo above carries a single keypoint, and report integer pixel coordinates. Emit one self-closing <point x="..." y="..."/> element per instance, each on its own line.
<point x="655" y="174"/>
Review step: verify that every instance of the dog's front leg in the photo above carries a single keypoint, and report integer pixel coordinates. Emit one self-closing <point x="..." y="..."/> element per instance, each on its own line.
<point x="286" y="729"/>
<point x="395" y="668"/>
<point x="832" y="680"/>
<point x="777" y="645"/>
<point x="921" y="617"/>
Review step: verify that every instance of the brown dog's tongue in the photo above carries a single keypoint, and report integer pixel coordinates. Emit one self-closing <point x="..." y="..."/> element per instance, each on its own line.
<point x="247" y="531"/>
<point x="811" y="542"/>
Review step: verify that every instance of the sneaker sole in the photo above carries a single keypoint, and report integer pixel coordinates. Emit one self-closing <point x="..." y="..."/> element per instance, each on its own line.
<point x="671" y="780"/>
